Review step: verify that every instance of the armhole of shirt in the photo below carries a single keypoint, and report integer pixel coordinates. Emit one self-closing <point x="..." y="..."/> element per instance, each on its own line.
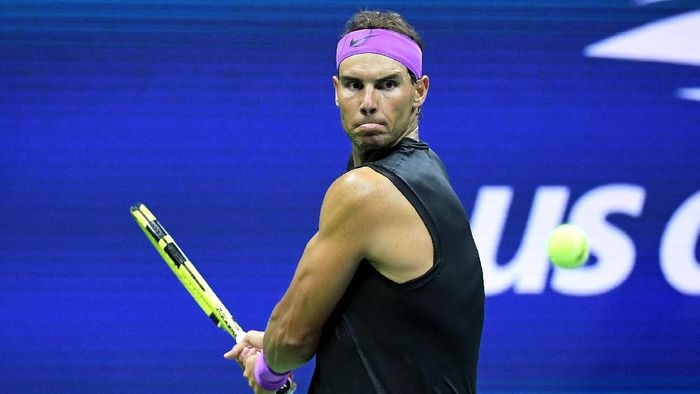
<point x="423" y="213"/>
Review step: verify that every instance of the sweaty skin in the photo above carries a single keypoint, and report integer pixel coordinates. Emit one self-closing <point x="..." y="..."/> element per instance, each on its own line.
<point x="363" y="216"/>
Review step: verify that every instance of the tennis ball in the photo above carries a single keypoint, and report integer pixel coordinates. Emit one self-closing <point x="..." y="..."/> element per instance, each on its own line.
<point x="567" y="246"/>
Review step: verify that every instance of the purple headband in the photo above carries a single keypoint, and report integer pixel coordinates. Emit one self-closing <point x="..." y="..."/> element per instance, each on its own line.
<point x="382" y="42"/>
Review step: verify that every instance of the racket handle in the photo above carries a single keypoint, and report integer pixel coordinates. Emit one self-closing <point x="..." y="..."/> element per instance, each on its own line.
<point x="288" y="387"/>
<point x="238" y="335"/>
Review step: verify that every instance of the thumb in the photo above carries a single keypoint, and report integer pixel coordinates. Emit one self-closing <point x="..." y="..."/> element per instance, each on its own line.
<point x="254" y="338"/>
<point x="230" y="354"/>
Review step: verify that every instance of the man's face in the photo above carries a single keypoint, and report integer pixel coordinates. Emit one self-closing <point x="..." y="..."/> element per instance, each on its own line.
<point x="377" y="100"/>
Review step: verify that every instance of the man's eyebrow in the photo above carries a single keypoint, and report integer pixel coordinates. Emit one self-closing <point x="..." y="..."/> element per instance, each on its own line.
<point x="392" y="76"/>
<point x="346" y="78"/>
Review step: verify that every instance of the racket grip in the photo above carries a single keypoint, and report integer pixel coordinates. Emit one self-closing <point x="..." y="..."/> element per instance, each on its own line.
<point x="238" y="335"/>
<point x="288" y="388"/>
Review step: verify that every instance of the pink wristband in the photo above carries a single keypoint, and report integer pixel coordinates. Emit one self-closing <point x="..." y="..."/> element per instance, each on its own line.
<point x="267" y="378"/>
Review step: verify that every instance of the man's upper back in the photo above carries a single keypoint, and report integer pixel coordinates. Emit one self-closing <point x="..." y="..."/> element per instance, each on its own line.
<point x="420" y="333"/>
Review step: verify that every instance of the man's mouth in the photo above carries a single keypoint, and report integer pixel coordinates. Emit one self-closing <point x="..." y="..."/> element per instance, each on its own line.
<point x="370" y="127"/>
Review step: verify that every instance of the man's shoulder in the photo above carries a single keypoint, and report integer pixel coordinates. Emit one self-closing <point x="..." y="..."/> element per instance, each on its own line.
<point x="359" y="183"/>
<point x="355" y="199"/>
<point x="361" y="191"/>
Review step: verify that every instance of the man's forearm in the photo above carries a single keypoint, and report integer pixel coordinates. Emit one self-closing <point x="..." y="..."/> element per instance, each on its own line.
<point x="286" y="348"/>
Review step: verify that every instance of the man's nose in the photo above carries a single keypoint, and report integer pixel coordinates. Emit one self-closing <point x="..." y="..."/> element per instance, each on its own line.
<point x="369" y="102"/>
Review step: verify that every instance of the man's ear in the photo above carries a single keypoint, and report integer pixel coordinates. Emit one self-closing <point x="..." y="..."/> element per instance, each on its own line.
<point x="421" y="88"/>
<point x="336" y="83"/>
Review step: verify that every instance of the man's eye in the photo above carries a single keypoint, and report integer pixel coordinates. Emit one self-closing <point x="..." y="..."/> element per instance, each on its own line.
<point x="354" y="85"/>
<point x="389" y="84"/>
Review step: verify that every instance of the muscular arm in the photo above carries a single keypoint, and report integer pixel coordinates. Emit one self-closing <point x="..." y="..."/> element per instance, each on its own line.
<point x="326" y="267"/>
<point x="363" y="216"/>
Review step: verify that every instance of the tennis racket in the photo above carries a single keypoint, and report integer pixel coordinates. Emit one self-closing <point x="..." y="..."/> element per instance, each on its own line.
<point x="188" y="275"/>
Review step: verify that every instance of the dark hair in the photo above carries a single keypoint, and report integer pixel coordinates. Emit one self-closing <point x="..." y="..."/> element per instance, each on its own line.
<point x="389" y="20"/>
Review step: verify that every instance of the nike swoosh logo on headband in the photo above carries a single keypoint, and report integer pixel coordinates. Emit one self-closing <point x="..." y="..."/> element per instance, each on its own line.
<point x="360" y="41"/>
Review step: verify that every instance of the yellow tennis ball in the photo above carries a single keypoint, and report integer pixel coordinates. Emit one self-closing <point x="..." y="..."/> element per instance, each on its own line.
<point x="567" y="246"/>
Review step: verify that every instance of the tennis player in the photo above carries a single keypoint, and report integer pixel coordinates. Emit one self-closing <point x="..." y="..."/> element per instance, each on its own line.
<point x="388" y="294"/>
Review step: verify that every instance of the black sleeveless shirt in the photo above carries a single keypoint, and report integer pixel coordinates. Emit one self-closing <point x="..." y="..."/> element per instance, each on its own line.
<point x="421" y="336"/>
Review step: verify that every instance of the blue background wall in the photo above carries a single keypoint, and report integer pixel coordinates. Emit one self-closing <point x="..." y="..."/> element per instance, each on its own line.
<point x="220" y="116"/>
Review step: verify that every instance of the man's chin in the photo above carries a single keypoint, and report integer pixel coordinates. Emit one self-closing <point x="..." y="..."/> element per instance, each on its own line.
<point x="369" y="143"/>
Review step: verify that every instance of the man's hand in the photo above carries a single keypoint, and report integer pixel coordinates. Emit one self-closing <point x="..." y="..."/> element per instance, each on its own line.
<point x="245" y="353"/>
<point x="252" y="339"/>
<point x="249" y="358"/>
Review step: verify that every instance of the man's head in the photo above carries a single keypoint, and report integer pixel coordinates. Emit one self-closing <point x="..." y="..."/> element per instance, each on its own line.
<point x="379" y="87"/>
<point x="383" y="20"/>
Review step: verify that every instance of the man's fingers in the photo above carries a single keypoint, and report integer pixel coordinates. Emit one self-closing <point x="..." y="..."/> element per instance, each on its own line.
<point x="251" y="339"/>
<point x="231" y="354"/>
<point x="247" y="351"/>
<point x="236" y="350"/>
<point x="254" y="338"/>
